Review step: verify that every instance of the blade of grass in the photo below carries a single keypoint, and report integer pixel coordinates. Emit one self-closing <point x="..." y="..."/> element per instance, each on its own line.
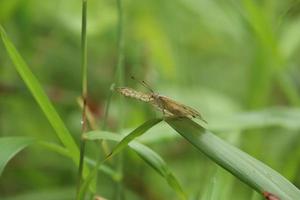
<point x="251" y="171"/>
<point x="131" y="136"/>
<point x="120" y="80"/>
<point x="84" y="95"/>
<point x="157" y="163"/>
<point x="41" y="98"/>
<point x="64" y="152"/>
<point x="282" y="117"/>
<point x="148" y="155"/>
<point x="121" y="145"/>
<point x="10" y="146"/>
<point x="55" y="148"/>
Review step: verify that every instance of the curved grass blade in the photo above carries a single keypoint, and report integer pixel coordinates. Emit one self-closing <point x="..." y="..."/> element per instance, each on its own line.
<point x="39" y="95"/>
<point x="64" y="152"/>
<point x="157" y="163"/>
<point x="10" y="146"/>
<point x="149" y="156"/>
<point x="251" y="171"/>
<point x="135" y="133"/>
<point x="283" y="117"/>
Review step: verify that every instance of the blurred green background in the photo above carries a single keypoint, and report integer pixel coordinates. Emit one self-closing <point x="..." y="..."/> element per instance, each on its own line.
<point x="237" y="62"/>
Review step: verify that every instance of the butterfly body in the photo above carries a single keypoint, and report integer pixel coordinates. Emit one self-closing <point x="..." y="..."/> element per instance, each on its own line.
<point x="167" y="105"/>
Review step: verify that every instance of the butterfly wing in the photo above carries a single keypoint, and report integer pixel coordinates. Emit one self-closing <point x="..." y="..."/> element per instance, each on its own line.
<point x="129" y="92"/>
<point x="178" y="109"/>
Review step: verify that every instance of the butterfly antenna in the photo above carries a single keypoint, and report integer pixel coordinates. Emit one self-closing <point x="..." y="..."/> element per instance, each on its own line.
<point x="143" y="83"/>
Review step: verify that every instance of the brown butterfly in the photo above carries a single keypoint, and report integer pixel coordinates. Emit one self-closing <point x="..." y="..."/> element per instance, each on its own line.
<point x="167" y="105"/>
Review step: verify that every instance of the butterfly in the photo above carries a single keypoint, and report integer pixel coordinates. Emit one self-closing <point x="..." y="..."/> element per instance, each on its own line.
<point x="167" y="105"/>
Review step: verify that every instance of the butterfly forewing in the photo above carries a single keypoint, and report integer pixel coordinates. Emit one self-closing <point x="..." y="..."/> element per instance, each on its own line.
<point x="177" y="108"/>
<point x="129" y="92"/>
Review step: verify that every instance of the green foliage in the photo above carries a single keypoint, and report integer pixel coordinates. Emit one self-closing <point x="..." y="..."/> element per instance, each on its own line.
<point x="235" y="61"/>
<point x="149" y="156"/>
<point x="43" y="101"/>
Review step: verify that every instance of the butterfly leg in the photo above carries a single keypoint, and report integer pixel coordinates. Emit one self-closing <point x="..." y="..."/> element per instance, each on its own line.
<point x="162" y="109"/>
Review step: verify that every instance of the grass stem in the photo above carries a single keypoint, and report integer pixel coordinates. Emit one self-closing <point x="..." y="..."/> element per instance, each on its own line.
<point x="84" y="93"/>
<point x="118" y="79"/>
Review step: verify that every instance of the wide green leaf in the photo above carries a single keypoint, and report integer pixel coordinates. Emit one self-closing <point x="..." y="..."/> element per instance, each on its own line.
<point x="251" y="171"/>
<point x="64" y="152"/>
<point x="283" y="117"/>
<point x="10" y="146"/>
<point x="148" y="155"/>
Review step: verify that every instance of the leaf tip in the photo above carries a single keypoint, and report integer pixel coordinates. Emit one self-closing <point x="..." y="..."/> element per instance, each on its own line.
<point x="108" y="156"/>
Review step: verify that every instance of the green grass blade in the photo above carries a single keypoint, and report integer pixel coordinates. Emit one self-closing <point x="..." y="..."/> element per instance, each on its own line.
<point x="10" y="146"/>
<point x="84" y="94"/>
<point x="157" y="163"/>
<point x="135" y="133"/>
<point x="149" y="156"/>
<point x="64" y="152"/>
<point x="251" y="171"/>
<point x="39" y="95"/>
<point x="55" y="148"/>
<point x="87" y="182"/>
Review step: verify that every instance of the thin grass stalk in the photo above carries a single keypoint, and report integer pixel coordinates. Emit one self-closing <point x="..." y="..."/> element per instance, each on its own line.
<point x="84" y="93"/>
<point x="118" y="79"/>
<point x="103" y="142"/>
<point x="119" y="72"/>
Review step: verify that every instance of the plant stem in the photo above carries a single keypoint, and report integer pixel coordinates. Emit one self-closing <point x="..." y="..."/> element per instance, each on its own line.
<point x="118" y="79"/>
<point x="84" y="92"/>
<point x="118" y="74"/>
